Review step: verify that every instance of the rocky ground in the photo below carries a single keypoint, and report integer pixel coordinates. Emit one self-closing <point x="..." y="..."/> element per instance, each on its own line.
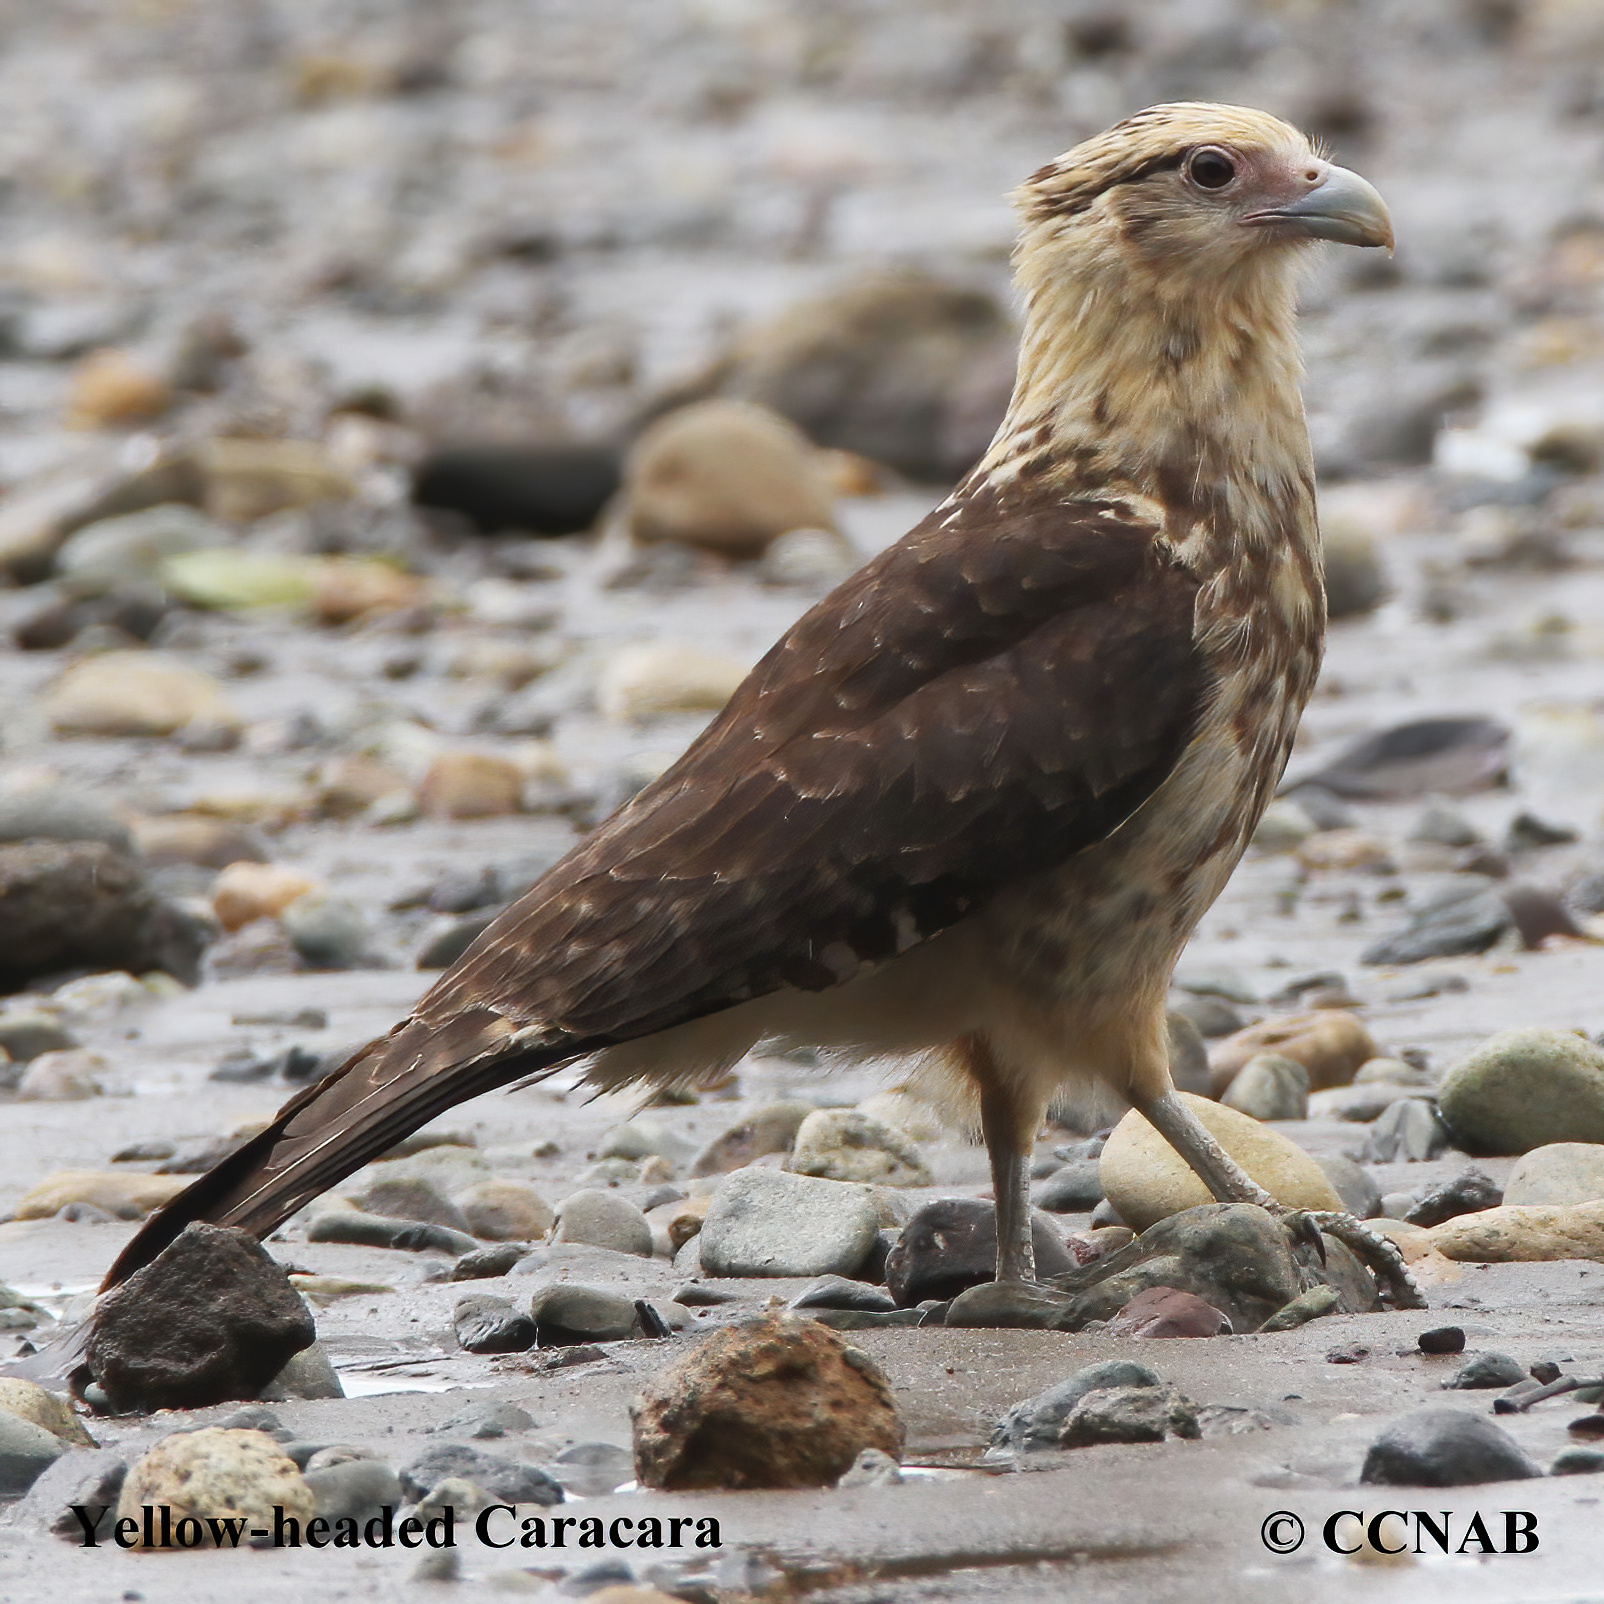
<point x="278" y="739"/>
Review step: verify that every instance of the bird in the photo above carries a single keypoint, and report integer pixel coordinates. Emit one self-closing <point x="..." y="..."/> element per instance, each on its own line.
<point x="971" y="806"/>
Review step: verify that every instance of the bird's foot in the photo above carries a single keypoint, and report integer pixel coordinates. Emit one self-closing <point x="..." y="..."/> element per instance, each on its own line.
<point x="1378" y="1253"/>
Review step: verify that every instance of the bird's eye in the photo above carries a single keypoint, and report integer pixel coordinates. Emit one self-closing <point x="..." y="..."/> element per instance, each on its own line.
<point x="1209" y="168"/>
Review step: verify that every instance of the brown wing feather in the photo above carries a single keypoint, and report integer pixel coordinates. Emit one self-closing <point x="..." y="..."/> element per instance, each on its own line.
<point x="988" y="697"/>
<point x="991" y="695"/>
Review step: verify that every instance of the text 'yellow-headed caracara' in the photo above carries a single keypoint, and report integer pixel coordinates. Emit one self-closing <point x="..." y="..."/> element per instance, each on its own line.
<point x="974" y="803"/>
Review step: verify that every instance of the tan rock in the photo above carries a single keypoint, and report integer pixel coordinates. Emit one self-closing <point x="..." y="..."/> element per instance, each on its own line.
<point x="512" y="664"/>
<point x="347" y="786"/>
<point x="502" y="1210"/>
<point x="51" y="1410"/>
<point x="674" y="1224"/>
<point x="1146" y="1180"/>
<point x="135" y="693"/>
<point x="216" y="1473"/>
<point x="1329" y="1043"/>
<point x="1561" y="1172"/>
<point x="642" y="683"/>
<point x="470" y="785"/>
<point x="197" y="838"/>
<point x="1524" y="1232"/>
<point x="727" y="476"/>
<point x="67" y="1076"/>
<point x="1345" y="849"/>
<point x="35" y="519"/>
<point x="111" y="390"/>
<point x="248" y="479"/>
<point x="780" y="1402"/>
<point x="247" y="891"/>
<point x="129" y="1197"/>
<point x="347" y="589"/>
<point x="907" y="1112"/>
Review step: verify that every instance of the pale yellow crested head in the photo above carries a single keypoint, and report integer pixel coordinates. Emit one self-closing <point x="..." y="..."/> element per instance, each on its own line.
<point x="1196" y="190"/>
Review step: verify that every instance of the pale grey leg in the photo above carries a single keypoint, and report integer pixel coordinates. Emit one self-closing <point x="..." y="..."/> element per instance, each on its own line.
<point x="1010" y="1181"/>
<point x="1230" y="1183"/>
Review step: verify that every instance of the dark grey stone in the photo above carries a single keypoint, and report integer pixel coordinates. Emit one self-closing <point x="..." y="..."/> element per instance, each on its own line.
<point x="1408" y="1129"/>
<point x="593" y="1469"/>
<point x="1578" y="1462"/>
<point x="1074" y="1188"/>
<point x="492" y="1325"/>
<point x="1213" y="1016"/>
<point x="506" y="1479"/>
<point x="212" y="1317"/>
<point x="1038" y="1422"/>
<point x="1423" y="757"/>
<point x="1442" y="1339"/>
<point x="26" y="1452"/>
<point x="53" y="813"/>
<point x="1445" y="1448"/>
<point x="358" y="1488"/>
<point x="1462" y="919"/>
<point x="566" y="1315"/>
<point x="485" y="1263"/>
<point x="1354" y="1184"/>
<point x="1469" y="1192"/>
<point x="1235" y="1256"/>
<point x="91" y="1477"/>
<point x="836" y="1292"/>
<point x="951" y="1244"/>
<point x="1484" y="1371"/>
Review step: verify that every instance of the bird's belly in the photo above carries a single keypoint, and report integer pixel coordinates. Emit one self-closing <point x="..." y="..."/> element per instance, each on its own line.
<point x="1102" y="931"/>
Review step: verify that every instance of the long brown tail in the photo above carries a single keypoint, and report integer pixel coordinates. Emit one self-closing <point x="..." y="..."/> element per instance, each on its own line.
<point x="381" y="1093"/>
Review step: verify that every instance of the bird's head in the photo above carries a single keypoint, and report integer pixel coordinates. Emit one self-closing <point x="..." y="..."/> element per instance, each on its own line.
<point x="1196" y="194"/>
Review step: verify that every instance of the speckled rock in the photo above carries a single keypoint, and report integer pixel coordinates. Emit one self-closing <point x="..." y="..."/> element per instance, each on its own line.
<point x="1523" y="1089"/>
<point x="502" y="1478"/>
<point x="211" y="1317"/>
<point x="604" y="1220"/>
<point x="1535" y="1231"/>
<point x="844" y="1144"/>
<point x="1330" y="1044"/>
<point x="779" y="1401"/>
<point x="216" y="1474"/>
<point x="29" y="1401"/>
<point x="1146" y="1180"/>
<point x="1560" y="1172"/>
<point x="765" y="1222"/>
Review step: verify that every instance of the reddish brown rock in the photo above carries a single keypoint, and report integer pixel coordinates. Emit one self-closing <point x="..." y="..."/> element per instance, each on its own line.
<point x="1329" y="1043"/>
<point x="1168" y="1312"/>
<point x="779" y="1401"/>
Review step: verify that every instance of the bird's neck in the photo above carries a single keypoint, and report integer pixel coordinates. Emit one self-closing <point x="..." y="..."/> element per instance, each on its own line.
<point x="1181" y="394"/>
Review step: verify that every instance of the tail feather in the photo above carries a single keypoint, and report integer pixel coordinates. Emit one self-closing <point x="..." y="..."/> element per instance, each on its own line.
<point x="381" y="1093"/>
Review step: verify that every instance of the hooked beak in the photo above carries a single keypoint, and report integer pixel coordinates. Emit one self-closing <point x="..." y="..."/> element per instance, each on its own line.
<point x="1341" y="207"/>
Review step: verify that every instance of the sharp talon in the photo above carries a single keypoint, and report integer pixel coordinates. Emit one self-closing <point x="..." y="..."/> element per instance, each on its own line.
<point x="1379" y="1254"/>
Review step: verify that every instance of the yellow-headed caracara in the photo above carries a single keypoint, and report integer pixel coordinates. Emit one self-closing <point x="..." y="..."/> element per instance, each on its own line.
<point x="974" y="803"/>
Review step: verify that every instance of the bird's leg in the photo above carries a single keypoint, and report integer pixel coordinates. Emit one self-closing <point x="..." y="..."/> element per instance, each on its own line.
<point x="1010" y="1185"/>
<point x="1230" y="1183"/>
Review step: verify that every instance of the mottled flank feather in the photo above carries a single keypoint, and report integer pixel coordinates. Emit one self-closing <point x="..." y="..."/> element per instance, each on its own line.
<point x="974" y="802"/>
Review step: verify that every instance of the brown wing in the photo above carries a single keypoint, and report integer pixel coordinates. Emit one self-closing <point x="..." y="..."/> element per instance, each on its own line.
<point x="988" y="697"/>
<point x="991" y="695"/>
